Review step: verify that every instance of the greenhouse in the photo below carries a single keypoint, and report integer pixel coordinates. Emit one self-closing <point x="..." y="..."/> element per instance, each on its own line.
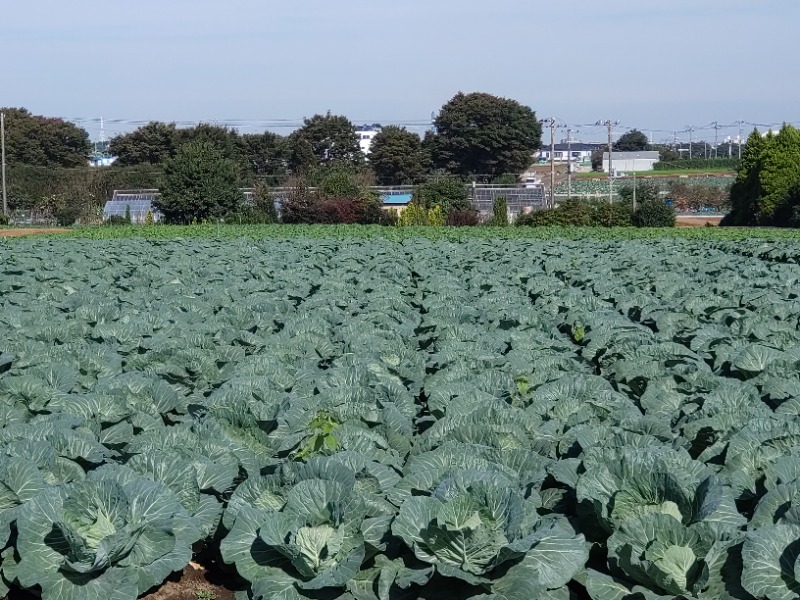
<point x="137" y="202"/>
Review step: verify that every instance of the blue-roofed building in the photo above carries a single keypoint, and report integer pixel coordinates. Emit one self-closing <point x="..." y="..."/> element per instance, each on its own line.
<point x="396" y="201"/>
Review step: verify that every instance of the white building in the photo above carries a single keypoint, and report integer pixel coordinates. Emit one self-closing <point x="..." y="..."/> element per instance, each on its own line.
<point x="628" y="162"/>
<point x="575" y="152"/>
<point x="365" y="136"/>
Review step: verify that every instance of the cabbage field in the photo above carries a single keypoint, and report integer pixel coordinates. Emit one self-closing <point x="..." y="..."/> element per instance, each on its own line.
<point x="393" y="419"/>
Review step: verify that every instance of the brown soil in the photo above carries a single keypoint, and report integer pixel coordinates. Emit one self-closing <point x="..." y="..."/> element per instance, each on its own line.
<point x="194" y="583"/>
<point x="697" y="221"/>
<point x="29" y="231"/>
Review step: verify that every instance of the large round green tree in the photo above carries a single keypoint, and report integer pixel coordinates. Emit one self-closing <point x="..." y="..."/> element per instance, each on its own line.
<point x="483" y="135"/>
<point x="44" y="141"/>
<point x="325" y="140"/>
<point x="632" y="141"/>
<point x="397" y="157"/>
<point x="150" y="144"/>
<point x="199" y="183"/>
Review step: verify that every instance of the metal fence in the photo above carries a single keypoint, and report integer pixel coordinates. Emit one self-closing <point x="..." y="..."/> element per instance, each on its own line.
<point x="519" y="200"/>
<point x="31" y="218"/>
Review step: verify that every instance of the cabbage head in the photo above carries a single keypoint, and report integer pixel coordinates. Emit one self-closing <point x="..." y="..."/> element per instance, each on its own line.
<point x="100" y="539"/>
<point x="475" y="525"/>
<point x="303" y="530"/>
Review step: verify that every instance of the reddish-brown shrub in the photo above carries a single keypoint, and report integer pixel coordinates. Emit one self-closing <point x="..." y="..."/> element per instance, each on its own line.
<point x="463" y="218"/>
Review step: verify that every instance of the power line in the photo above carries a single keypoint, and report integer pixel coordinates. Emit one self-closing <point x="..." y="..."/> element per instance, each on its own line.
<point x="120" y="126"/>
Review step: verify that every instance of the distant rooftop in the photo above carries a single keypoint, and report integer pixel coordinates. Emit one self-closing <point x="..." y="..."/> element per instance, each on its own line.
<point x="397" y="199"/>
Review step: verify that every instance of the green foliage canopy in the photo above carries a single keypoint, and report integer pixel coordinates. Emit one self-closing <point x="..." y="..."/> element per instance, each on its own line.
<point x="43" y="141"/>
<point x="397" y="157"/>
<point x="199" y="183"/>
<point x="765" y="190"/>
<point x="150" y="144"/>
<point x="632" y="141"/>
<point x="484" y="135"/>
<point x="448" y="193"/>
<point x="325" y="140"/>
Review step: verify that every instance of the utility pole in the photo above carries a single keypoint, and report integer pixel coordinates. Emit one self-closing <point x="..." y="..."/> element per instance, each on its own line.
<point x="3" y="160"/>
<point x="739" y="139"/>
<point x="716" y="139"/>
<point x="691" y="129"/>
<point x="569" y="163"/>
<point x="634" y="191"/>
<point x="552" y="162"/>
<point x="610" y="168"/>
<point x="610" y="124"/>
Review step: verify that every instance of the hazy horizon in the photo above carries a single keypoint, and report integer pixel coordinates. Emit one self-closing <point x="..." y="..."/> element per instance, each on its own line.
<point x="655" y="68"/>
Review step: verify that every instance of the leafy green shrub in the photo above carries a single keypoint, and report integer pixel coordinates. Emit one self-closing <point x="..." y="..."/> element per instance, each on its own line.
<point x="612" y="214"/>
<point x="575" y="212"/>
<point x="654" y="214"/>
<point x="506" y="179"/>
<point x="3" y="219"/>
<point x="646" y="191"/>
<point x="500" y="212"/>
<point x="448" y="193"/>
<point x="436" y="216"/>
<point x="116" y="220"/>
<point x="297" y="206"/>
<point x="414" y="215"/>
<point x="698" y="163"/>
<point x="28" y="184"/>
<point x="538" y="218"/>
<point x="67" y="214"/>
<point x="264" y="203"/>
<point x="339" y="183"/>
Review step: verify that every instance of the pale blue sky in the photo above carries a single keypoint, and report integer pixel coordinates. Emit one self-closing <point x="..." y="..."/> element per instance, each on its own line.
<point x="650" y="65"/>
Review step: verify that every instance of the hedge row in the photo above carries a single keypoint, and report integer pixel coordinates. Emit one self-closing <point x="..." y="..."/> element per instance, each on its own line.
<point x="713" y="164"/>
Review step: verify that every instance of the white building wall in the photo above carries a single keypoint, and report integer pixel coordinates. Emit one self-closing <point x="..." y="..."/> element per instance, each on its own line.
<point x="625" y="162"/>
<point x="365" y="139"/>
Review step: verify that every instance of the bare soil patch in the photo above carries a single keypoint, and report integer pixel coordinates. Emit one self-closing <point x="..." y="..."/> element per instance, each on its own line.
<point x="194" y="583"/>
<point x="29" y="231"/>
<point x="697" y="221"/>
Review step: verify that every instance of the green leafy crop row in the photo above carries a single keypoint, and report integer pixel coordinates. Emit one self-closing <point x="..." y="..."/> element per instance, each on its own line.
<point x="383" y="419"/>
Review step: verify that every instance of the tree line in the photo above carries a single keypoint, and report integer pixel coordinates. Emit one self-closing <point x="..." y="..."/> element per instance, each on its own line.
<point x="477" y="136"/>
